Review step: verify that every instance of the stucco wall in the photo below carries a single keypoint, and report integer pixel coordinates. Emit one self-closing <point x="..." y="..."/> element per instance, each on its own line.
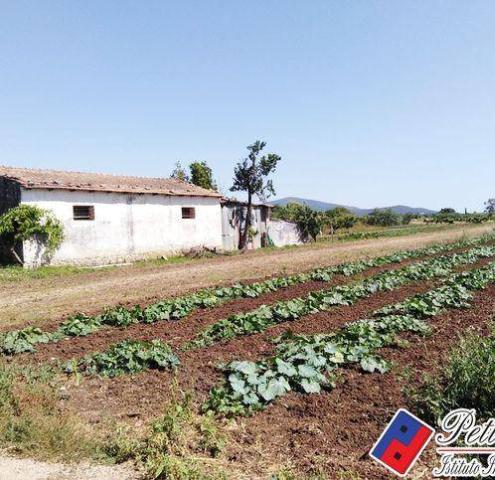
<point x="233" y="218"/>
<point x="126" y="227"/>
<point x="284" y="233"/>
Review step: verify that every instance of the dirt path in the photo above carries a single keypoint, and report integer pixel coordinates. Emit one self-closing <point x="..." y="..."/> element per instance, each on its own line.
<point x="27" y="469"/>
<point x="46" y="299"/>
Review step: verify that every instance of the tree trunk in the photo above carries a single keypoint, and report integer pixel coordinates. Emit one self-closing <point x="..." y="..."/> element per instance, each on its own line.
<point x="245" y="233"/>
<point x="16" y="256"/>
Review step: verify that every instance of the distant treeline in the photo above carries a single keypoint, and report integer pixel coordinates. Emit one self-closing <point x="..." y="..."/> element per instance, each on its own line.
<point x="313" y="223"/>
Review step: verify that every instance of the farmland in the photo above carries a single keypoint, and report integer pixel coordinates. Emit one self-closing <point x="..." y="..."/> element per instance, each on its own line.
<point x="284" y="372"/>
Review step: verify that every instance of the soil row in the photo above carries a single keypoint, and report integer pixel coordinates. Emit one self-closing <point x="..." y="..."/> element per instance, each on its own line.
<point x="176" y="333"/>
<point x="334" y="431"/>
<point x="142" y="396"/>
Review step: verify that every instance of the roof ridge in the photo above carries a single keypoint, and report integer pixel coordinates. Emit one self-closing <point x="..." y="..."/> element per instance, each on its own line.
<point x="52" y="170"/>
<point x="96" y="181"/>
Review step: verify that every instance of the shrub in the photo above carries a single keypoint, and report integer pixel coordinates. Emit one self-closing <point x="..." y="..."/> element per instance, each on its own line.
<point x="178" y="445"/>
<point x="467" y="381"/>
<point x="384" y="218"/>
<point x="28" y="222"/>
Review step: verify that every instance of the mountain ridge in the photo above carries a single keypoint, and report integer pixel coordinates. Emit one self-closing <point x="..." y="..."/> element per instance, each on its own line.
<point x="360" y="212"/>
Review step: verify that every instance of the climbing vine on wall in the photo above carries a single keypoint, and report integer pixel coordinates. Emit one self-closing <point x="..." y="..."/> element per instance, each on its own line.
<point x="28" y="222"/>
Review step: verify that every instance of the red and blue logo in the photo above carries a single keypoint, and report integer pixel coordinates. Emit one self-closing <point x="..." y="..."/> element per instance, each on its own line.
<point x="402" y="442"/>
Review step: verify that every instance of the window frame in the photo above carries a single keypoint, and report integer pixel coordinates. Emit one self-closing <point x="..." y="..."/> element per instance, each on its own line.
<point x="188" y="213"/>
<point x="78" y="217"/>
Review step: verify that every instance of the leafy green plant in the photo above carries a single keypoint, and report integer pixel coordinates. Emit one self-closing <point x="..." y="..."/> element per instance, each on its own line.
<point x="307" y="364"/>
<point x="266" y="316"/>
<point x="23" y="340"/>
<point x="29" y="222"/>
<point x="128" y="356"/>
<point x="177" y="308"/>
<point x="466" y="381"/>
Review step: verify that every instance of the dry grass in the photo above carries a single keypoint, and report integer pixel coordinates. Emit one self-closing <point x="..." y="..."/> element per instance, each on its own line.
<point x="45" y="299"/>
<point x="32" y="421"/>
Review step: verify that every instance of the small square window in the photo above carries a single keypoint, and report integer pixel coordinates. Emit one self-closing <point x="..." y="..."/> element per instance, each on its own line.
<point x="188" y="212"/>
<point x="83" y="212"/>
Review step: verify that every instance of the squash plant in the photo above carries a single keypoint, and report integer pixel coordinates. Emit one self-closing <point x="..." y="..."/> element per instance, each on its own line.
<point x="308" y="363"/>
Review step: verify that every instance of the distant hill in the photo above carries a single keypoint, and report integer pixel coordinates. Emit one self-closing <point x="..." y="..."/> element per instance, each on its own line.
<point x="360" y="212"/>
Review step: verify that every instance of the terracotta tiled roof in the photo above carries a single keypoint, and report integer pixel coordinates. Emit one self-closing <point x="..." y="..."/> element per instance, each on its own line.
<point x="101" y="182"/>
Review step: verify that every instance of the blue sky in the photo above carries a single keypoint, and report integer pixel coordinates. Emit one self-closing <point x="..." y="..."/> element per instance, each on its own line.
<point x="370" y="103"/>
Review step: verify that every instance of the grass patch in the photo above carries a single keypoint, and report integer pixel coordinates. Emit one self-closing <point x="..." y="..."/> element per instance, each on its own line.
<point x="14" y="273"/>
<point x="179" y="445"/>
<point x="32" y="421"/>
<point x="466" y="381"/>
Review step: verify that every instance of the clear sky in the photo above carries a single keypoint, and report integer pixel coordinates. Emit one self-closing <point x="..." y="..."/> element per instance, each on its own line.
<point x="370" y="103"/>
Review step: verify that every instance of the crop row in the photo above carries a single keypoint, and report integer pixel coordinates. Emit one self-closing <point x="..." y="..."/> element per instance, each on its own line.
<point x="133" y="356"/>
<point x="264" y="317"/>
<point x="128" y="356"/>
<point x="309" y="363"/>
<point x="24" y="340"/>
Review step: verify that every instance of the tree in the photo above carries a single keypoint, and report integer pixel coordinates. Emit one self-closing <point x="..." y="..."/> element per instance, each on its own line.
<point x="201" y="175"/>
<point x="447" y="211"/>
<point x="179" y="173"/>
<point x="250" y="176"/>
<point x="383" y="218"/>
<point x="340" y="217"/>
<point x="28" y="222"/>
<point x="309" y="221"/>
<point x="407" y="218"/>
<point x="286" y="212"/>
<point x="490" y="206"/>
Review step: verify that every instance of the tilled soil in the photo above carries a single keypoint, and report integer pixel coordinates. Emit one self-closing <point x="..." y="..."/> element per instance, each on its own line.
<point x="176" y="333"/>
<point x="141" y="396"/>
<point x="331" y="432"/>
<point x="334" y="431"/>
<point x="42" y="299"/>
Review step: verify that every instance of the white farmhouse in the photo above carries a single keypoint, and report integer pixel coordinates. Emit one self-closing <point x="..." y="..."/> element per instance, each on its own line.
<point x="112" y="219"/>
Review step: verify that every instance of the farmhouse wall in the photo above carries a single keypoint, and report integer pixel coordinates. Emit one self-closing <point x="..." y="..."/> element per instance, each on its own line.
<point x="125" y="226"/>
<point x="284" y="233"/>
<point x="233" y="220"/>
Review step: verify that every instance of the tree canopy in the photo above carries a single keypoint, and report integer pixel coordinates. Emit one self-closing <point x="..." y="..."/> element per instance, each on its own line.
<point x="179" y="173"/>
<point x="202" y="175"/>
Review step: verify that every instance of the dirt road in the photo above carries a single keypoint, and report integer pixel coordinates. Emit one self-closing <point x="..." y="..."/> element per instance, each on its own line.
<point x="26" y="469"/>
<point x="43" y="300"/>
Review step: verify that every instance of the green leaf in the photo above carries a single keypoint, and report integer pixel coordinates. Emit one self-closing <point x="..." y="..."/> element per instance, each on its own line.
<point x="310" y="386"/>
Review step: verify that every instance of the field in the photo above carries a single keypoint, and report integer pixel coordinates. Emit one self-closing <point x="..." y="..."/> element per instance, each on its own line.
<point x="281" y="364"/>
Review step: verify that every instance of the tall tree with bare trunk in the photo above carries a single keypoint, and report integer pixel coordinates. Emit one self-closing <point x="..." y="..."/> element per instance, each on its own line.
<point x="250" y="176"/>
